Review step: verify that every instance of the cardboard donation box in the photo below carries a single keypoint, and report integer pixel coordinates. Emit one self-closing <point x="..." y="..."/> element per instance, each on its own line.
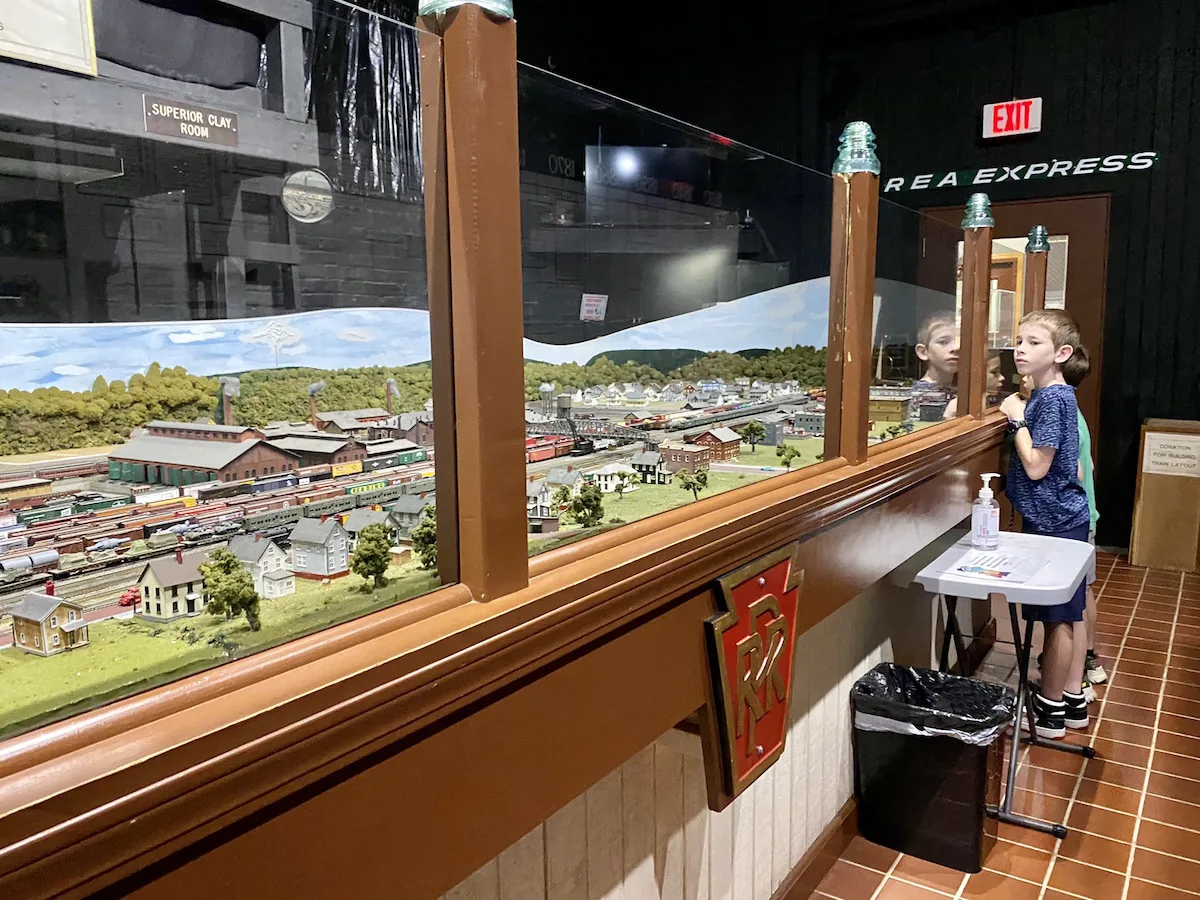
<point x="1166" y="512"/>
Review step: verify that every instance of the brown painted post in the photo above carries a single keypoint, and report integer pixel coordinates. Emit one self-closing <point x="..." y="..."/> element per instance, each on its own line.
<point x="977" y="267"/>
<point x="851" y="293"/>
<point x="485" y="325"/>
<point x="1037" y="258"/>
<point x="437" y="267"/>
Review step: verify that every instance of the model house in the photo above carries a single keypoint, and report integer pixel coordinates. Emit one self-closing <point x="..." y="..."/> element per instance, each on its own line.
<point x="609" y="478"/>
<point x="43" y="624"/>
<point x="725" y="443"/>
<point x="320" y="549"/>
<point x="172" y="586"/>
<point x="565" y="477"/>
<point x="266" y="563"/>
<point x="364" y="517"/>
<point x="651" y="467"/>
<point x="407" y="512"/>
<point x="692" y="457"/>
<point x="539" y="500"/>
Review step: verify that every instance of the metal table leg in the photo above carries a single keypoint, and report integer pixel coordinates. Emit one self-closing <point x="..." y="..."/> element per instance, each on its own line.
<point x="952" y="632"/>
<point x="1025" y="706"/>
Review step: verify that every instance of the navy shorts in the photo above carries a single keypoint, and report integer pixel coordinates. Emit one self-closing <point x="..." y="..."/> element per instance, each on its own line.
<point x="1072" y="610"/>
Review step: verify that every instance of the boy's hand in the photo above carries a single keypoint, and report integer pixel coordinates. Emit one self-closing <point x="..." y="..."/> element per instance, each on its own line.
<point x="1013" y="407"/>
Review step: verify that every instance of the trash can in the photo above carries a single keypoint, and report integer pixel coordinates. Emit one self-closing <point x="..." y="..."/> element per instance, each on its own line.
<point x="927" y="762"/>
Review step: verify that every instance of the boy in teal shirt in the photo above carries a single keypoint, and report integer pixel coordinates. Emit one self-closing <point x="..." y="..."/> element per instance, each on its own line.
<point x="1074" y="371"/>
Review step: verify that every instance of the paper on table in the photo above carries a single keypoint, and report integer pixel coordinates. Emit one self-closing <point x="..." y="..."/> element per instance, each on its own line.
<point x="992" y="566"/>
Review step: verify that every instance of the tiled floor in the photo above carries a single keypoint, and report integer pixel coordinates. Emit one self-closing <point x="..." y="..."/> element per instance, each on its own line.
<point x="1134" y="811"/>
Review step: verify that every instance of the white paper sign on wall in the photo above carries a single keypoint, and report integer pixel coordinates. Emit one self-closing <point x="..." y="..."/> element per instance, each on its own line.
<point x="56" y="33"/>
<point x="593" y="307"/>
<point x="1172" y="454"/>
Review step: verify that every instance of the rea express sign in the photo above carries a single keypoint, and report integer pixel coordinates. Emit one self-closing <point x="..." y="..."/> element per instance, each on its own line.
<point x="1012" y="117"/>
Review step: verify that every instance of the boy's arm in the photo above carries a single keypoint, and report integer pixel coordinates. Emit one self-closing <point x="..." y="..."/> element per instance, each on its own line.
<point x="1035" y="460"/>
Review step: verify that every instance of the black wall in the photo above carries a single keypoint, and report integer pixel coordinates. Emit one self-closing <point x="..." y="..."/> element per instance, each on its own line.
<point x="1117" y="77"/>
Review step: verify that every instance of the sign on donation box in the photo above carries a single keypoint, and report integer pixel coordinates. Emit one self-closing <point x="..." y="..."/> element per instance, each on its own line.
<point x="55" y="33"/>
<point x="1012" y="117"/>
<point x="751" y="645"/>
<point x="593" y="307"/>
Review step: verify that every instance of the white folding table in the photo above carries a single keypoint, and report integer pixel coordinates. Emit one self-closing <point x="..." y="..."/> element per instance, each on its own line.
<point x="1058" y="566"/>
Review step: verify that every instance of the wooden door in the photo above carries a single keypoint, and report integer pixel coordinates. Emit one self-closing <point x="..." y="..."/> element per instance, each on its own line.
<point x="1084" y="220"/>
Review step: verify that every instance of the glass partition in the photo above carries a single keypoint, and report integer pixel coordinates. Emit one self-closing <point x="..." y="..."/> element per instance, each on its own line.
<point x="216" y="378"/>
<point x="676" y="298"/>
<point x="915" y="334"/>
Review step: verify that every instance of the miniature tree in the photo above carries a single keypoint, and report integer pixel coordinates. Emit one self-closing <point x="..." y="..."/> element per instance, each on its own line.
<point x="894" y="430"/>
<point x="372" y="554"/>
<point x="694" y="482"/>
<point x="753" y="433"/>
<point x="624" y="480"/>
<point x="588" y="508"/>
<point x="562" y="497"/>
<point x="229" y="588"/>
<point x="424" y="538"/>
<point x="786" y="453"/>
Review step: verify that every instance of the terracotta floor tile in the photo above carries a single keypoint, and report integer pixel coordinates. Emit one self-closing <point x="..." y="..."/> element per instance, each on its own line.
<point x="1129" y="734"/>
<point x="1170" y="764"/>
<point x="872" y="856"/>
<point x="1135" y="682"/>
<point x="928" y="874"/>
<point x="849" y="882"/>
<point x="1145" y="656"/>
<point x="1174" y="724"/>
<point x="1093" y="850"/>
<point x="1132" y="715"/>
<point x="991" y="886"/>
<point x="1164" y="869"/>
<point x="1086" y="881"/>
<point x="1132" y="667"/>
<point x="1055" y="895"/>
<point x="1044" y="781"/>
<point x="1142" y="890"/>
<point x="900" y="890"/>
<point x="1127" y="754"/>
<point x="1045" y="758"/>
<point x="1172" y="812"/>
<point x="1115" y="773"/>
<point x="1114" y="825"/>
<point x="1130" y="697"/>
<point x="1141" y="643"/>
<point x="1180" y="707"/>
<point x="1040" y="806"/>
<point x="1189" y="674"/>
<point x="1182" y="649"/>
<point x="1110" y="796"/>
<point x="1178" y="742"/>
<point x="1182" y="691"/>
<point x="1166" y="839"/>
<point x="1163" y="785"/>
<point x="1018" y="861"/>
<point x="1016" y="834"/>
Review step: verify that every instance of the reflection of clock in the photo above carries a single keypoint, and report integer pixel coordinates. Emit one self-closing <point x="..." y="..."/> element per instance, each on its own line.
<point x="307" y="195"/>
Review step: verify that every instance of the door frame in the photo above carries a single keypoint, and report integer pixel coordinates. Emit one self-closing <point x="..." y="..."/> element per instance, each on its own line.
<point x="1085" y="220"/>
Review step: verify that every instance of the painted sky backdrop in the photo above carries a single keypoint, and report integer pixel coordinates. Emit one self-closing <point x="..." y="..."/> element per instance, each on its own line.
<point x="70" y="357"/>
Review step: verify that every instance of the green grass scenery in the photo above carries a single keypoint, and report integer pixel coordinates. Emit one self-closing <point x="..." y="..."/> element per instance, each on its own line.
<point x="125" y="656"/>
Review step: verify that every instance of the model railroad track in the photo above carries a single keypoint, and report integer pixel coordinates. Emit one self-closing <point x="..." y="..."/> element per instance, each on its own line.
<point x="578" y="462"/>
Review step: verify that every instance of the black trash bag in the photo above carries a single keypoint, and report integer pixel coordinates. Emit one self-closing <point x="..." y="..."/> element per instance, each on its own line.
<point x="904" y="700"/>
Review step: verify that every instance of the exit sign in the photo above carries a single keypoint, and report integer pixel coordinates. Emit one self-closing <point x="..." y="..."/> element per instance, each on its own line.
<point x="1012" y="117"/>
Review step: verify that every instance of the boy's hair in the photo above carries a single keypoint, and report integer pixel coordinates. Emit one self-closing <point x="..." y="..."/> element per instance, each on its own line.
<point x="1075" y="369"/>
<point x="1063" y="329"/>
<point x="937" y="320"/>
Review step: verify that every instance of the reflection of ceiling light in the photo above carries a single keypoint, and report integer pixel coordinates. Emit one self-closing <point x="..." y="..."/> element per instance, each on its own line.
<point x="51" y="159"/>
<point x="627" y="164"/>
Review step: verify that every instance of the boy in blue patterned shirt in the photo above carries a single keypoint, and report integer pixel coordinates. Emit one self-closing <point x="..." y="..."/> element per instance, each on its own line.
<point x="1044" y="487"/>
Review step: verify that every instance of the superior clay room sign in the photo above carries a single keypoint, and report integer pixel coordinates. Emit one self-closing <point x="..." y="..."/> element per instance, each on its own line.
<point x="188" y="122"/>
<point x="56" y="33"/>
<point x="1055" y="168"/>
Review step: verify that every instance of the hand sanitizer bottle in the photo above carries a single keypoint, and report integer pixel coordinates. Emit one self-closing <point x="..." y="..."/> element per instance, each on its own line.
<point x="985" y="517"/>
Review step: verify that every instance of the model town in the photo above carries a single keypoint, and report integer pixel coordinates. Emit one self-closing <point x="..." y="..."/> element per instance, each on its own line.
<point x="195" y="541"/>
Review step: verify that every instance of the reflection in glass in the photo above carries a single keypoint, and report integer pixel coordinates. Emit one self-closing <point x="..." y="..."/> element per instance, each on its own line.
<point x="915" y="324"/>
<point x="218" y="431"/>
<point x="676" y="311"/>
